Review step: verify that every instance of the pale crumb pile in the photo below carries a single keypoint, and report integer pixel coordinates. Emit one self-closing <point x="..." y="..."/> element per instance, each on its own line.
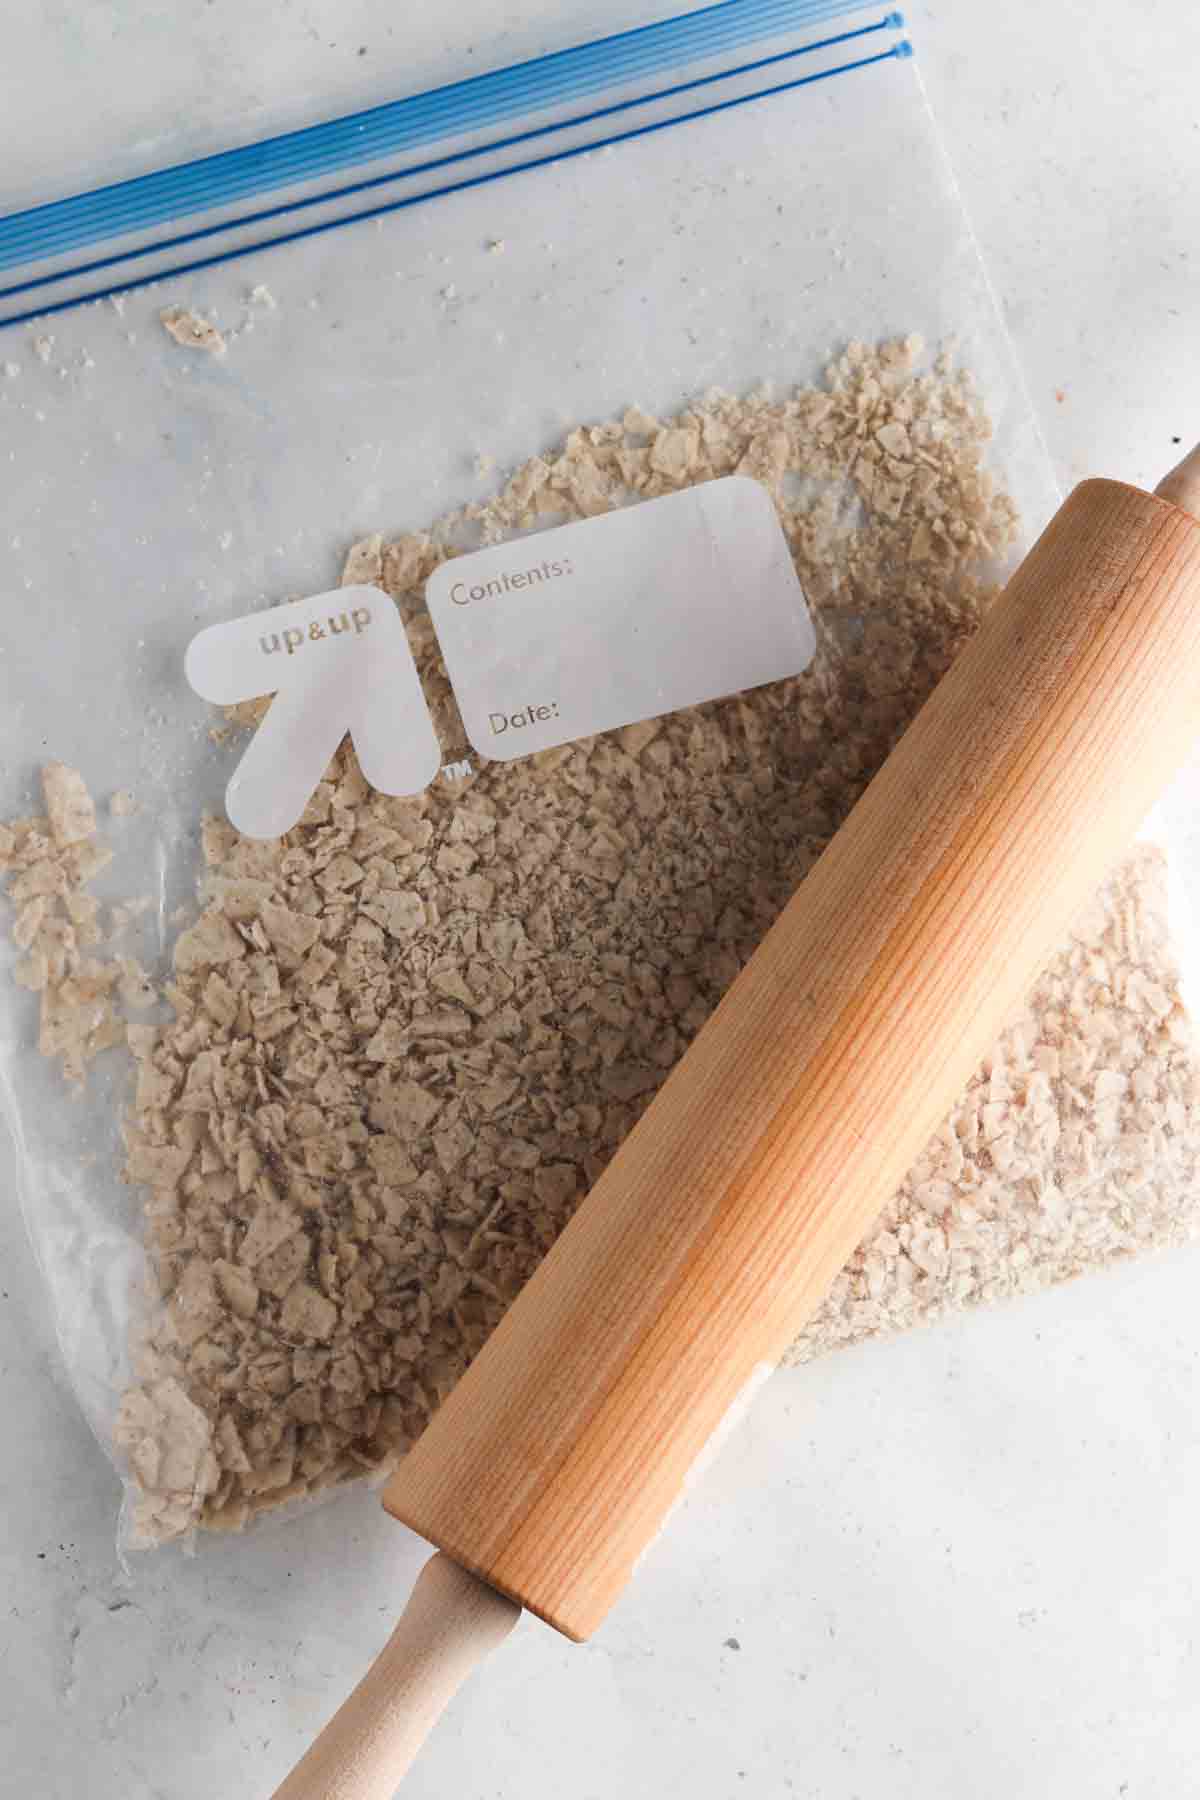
<point x="192" y="331"/>
<point x="407" y="1037"/>
<point x="1077" y="1142"/>
<point x="48" y="861"/>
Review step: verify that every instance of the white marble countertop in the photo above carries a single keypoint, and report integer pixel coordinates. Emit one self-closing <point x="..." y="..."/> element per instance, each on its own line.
<point x="964" y="1563"/>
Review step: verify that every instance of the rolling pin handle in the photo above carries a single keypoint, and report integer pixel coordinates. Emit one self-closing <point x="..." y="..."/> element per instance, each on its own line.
<point x="1182" y="486"/>
<point x="451" y="1622"/>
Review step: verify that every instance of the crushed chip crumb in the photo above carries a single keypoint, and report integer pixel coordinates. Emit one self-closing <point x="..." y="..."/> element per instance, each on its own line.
<point x="364" y="563"/>
<point x="68" y="803"/>
<point x="48" y="861"/>
<point x="192" y="331"/>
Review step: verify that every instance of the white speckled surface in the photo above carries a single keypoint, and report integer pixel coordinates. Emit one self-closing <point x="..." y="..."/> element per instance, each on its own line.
<point x="966" y="1563"/>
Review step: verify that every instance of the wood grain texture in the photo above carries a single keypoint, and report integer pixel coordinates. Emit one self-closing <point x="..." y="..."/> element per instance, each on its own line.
<point x="451" y="1622"/>
<point x="723" y="1219"/>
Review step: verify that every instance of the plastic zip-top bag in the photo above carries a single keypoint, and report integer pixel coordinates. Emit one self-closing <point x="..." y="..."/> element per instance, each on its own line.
<point x="617" y="447"/>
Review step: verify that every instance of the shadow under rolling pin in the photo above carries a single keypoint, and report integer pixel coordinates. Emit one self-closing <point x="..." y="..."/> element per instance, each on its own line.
<point x="727" y="1213"/>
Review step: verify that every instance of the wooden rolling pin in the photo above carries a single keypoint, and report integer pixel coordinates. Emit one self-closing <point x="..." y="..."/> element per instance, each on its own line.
<point x="725" y="1216"/>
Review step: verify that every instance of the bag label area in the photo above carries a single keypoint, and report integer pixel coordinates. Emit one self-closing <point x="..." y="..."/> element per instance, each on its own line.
<point x="336" y="663"/>
<point x="624" y="617"/>
<point x="574" y="631"/>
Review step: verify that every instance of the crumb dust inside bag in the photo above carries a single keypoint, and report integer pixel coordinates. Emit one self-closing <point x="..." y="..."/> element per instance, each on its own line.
<point x="296" y="1117"/>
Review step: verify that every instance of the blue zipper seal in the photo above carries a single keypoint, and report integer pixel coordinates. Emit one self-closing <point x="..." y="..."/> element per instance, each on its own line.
<point x="215" y="181"/>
